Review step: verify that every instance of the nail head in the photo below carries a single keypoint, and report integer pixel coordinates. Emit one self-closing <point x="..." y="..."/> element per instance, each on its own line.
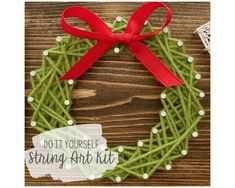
<point x="30" y="99"/>
<point x="118" y="179"/>
<point x="33" y="123"/>
<point x="145" y="176"/>
<point x="32" y="73"/>
<point x="70" y="122"/>
<point x="140" y="143"/>
<point x="120" y="149"/>
<point x="119" y="18"/>
<point x="116" y="50"/>
<point x="168" y="167"/>
<point x="154" y="130"/>
<point x="58" y="39"/>
<point x="70" y="82"/>
<point x="163" y="113"/>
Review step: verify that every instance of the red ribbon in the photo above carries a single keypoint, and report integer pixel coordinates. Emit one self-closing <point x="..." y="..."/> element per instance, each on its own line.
<point x="107" y="39"/>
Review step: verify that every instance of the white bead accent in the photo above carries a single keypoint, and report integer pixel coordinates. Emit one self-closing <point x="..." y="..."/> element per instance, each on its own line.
<point x="70" y="122"/>
<point x="30" y="99"/>
<point x="180" y="43"/>
<point x="184" y="152"/>
<point x="116" y="50"/>
<point x="201" y="112"/>
<point x="70" y="82"/>
<point x="201" y="94"/>
<point x="140" y="143"/>
<point x="163" y="95"/>
<point x="45" y="52"/>
<point x="190" y="59"/>
<point x="154" y="130"/>
<point x="195" y="134"/>
<point x="198" y="76"/>
<point x="32" y="73"/>
<point x="66" y="102"/>
<point x="118" y="179"/>
<point x="145" y="176"/>
<point x="120" y="149"/>
<point x="68" y="166"/>
<point x="33" y="123"/>
<point x="146" y="22"/>
<point x="58" y="39"/>
<point x="166" y="30"/>
<point x="118" y="18"/>
<point x="168" y="167"/>
<point x="163" y="113"/>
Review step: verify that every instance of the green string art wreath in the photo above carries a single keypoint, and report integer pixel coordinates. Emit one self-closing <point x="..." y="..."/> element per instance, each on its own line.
<point x="181" y="111"/>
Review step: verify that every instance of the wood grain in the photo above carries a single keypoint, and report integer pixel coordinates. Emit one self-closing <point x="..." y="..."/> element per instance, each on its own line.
<point x="119" y="92"/>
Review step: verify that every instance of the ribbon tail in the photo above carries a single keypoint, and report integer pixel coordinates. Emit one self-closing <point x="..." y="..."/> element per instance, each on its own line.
<point x="87" y="60"/>
<point x="154" y="64"/>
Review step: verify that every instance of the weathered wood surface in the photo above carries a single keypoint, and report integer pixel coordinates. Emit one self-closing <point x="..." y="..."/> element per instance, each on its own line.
<point x="119" y="92"/>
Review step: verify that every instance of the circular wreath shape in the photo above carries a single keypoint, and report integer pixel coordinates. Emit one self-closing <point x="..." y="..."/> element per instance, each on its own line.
<point x="181" y="111"/>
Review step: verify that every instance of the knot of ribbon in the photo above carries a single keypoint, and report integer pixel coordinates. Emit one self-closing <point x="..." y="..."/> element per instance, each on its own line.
<point x="124" y="38"/>
<point x="106" y="39"/>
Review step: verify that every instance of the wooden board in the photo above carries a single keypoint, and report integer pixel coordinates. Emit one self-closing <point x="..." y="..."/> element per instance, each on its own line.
<point x="119" y="92"/>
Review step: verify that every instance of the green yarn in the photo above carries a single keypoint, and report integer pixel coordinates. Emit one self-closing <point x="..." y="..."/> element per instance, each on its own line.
<point x="181" y="111"/>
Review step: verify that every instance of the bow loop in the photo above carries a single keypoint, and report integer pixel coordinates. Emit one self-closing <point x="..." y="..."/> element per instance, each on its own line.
<point x="107" y="39"/>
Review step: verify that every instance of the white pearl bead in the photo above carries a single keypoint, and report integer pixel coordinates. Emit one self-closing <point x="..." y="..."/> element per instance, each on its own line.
<point x="118" y="179"/>
<point x="163" y="113"/>
<point x="154" y="130"/>
<point x="140" y="143"/>
<point x="168" y="167"/>
<point x="146" y="22"/>
<point x="163" y="95"/>
<point x="120" y="149"/>
<point x="70" y="82"/>
<point x="201" y="94"/>
<point x="198" y="76"/>
<point x="45" y="53"/>
<point x="66" y="102"/>
<point x="195" y="134"/>
<point x="180" y="43"/>
<point x="70" y="122"/>
<point x="166" y="30"/>
<point x="145" y="176"/>
<point x="184" y="152"/>
<point x="119" y="18"/>
<point x="201" y="112"/>
<point x="190" y="59"/>
<point x="32" y="73"/>
<point x="58" y="39"/>
<point x="33" y="123"/>
<point x="116" y="50"/>
<point x="30" y="99"/>
<point x="68" y="166"/>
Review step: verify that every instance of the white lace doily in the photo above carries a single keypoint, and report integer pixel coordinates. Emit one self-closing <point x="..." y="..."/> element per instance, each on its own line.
<point x="205" y="35"/>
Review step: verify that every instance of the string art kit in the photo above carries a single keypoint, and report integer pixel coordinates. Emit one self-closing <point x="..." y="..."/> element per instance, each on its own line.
<point x="162" y="55"/>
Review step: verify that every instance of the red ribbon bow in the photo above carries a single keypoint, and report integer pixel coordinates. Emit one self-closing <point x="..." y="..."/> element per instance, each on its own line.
<point x="107" y="39"/>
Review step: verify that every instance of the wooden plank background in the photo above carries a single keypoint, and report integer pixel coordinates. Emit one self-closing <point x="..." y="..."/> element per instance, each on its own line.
<point x="119" y="92"/>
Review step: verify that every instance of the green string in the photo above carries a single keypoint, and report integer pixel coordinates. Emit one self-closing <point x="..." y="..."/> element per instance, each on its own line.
<point x="179" y="117"/>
